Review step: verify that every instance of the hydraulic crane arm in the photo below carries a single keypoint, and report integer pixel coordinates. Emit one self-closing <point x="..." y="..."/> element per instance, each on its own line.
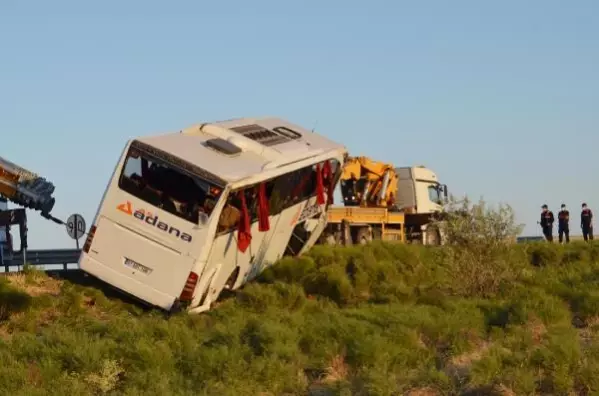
<point x="368" y="183"/>
<point x="25" y="188"/>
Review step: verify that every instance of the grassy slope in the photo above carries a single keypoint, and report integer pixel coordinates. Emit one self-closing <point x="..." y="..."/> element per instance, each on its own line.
<point x="374" y="320"/>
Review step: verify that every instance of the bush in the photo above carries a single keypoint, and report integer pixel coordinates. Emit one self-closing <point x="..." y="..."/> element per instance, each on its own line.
<point x="477" y="226"/>
<point x="479" y="239"/>
<point x="479" y="316"/>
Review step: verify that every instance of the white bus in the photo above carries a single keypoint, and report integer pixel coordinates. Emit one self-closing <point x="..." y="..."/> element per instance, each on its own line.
<point x="188" y="214"/>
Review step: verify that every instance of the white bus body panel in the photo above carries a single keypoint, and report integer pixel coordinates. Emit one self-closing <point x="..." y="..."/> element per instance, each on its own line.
<point x="120" y="236"/>
<point x="264" y="250"/>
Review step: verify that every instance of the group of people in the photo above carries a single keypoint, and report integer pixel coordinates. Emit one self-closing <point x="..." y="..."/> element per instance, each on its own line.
<point x="563" y="225"/>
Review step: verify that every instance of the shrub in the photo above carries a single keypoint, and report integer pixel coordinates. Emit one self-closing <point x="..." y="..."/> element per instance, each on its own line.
<point x="480" y="316"/>
<point x="478" y="225"/>
<point x="478" y="238"/>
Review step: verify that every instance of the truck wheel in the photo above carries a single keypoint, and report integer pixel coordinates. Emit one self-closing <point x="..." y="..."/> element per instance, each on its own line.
<point x="363" y="236"/>
<point x="377" y="234"/>
<point x="432" y="237"/>
<point x="331" y="240"/>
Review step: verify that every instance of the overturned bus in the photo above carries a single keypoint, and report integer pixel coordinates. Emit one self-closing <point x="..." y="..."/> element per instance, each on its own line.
<point x="188" y="214"/>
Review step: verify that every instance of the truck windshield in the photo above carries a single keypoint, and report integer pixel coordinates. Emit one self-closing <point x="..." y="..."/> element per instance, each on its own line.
<point x="166" y="186"/>
<point x="434" y="193"/>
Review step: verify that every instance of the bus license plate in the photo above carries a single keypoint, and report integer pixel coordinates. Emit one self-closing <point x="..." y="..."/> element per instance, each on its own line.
<point x="138" y="267"/>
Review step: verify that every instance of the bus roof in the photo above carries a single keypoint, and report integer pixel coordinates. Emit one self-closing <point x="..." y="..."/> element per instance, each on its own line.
<point x="240" y="148"/>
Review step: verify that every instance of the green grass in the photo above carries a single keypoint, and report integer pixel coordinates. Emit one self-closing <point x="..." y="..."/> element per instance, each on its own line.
<point x="380" y="319"/>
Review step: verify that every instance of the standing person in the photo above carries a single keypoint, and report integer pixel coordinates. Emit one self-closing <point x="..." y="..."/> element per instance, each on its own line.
<point x="547" y="220"/>
<point x="586" y="222"/>
<point x="563" y="225"/>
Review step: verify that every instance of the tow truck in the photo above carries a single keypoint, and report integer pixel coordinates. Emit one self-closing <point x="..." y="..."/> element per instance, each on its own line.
<point x="28" y="190"/>
<point x="381" y="201"/>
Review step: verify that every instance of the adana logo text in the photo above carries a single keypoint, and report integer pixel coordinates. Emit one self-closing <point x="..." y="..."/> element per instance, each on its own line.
<point x="147" y="218"/>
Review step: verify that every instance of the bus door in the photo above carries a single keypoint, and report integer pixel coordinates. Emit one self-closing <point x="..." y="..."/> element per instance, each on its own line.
<point x="235" y="250"/>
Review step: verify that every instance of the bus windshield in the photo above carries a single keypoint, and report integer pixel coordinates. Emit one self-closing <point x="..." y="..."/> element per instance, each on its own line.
<point x="168" y="187"/>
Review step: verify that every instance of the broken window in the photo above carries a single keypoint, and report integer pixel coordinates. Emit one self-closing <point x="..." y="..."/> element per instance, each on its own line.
<point x="165" y="186"/>
<point x="300" y="185"/>
<point x="281" y="193"/>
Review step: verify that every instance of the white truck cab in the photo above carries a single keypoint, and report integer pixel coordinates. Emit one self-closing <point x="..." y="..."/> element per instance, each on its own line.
<point x="420" y="196"/>
<point x="420" y="190"/>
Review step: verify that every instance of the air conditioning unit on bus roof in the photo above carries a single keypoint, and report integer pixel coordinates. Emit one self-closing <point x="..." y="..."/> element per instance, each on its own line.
<point x="246" y="135"/>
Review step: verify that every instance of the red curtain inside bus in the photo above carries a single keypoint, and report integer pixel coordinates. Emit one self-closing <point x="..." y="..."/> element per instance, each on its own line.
<point x="244" y="234"/>
<point x="328" y="177"/>
<point x="319" y="186"/>
<point x="263" y="209"/>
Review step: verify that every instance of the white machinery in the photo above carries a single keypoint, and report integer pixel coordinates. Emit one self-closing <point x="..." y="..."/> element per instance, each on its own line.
<point x="188" y="214"/>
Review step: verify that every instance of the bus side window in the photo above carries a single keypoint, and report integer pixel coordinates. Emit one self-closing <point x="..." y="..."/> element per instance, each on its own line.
<point x="231" y="213"/>
<point x="291" y="188"/>
<point x="184" y="195"/>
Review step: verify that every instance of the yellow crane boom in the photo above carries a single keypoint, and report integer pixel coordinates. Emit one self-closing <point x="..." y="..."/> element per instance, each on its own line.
<point x="368" y="183"/>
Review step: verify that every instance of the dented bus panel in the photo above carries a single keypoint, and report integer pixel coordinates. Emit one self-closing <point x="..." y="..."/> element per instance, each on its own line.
<point x="189" y="214"/>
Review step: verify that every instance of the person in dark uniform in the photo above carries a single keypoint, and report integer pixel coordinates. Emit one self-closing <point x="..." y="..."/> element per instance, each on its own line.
<point x="547" y="220"/>
<point x="586" y="222"/>
<point x="563" y="225"/>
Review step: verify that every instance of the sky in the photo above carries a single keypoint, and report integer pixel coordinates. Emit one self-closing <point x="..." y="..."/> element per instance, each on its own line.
<point x="500" y="98"/>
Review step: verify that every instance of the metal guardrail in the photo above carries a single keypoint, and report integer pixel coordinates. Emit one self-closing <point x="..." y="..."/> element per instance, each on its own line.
<point x="62" y="257"/>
